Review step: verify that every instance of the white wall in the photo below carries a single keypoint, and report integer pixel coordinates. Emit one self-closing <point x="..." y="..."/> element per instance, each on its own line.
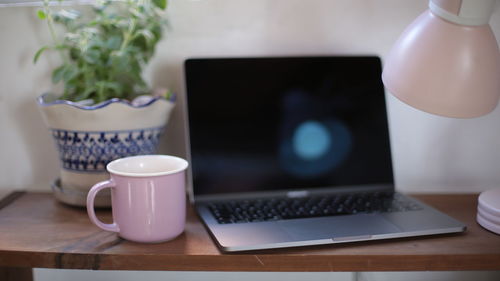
<point x="85" y="275"/>
<point x="430" y="153"/>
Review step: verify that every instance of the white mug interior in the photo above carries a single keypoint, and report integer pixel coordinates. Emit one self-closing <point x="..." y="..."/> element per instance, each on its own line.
<point x="147" y="165"/>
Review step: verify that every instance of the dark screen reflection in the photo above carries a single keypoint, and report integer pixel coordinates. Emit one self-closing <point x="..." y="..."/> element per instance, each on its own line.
<point x="286" y="123"/>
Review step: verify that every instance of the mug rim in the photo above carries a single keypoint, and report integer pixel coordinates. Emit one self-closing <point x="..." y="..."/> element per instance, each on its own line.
<point x="182" y="166"/>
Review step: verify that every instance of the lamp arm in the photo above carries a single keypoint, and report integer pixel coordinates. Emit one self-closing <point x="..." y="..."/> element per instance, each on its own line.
<point x="463" y="12"/>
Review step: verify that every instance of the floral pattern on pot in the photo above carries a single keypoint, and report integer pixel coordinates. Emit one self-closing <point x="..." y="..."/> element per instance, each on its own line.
<point x="87" y="151"/>
<point x="88" y="136"/>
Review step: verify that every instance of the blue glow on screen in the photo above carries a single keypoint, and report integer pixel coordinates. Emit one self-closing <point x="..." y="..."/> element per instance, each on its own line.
<point x="316" y="147"/>
<point x="311" y="140"/>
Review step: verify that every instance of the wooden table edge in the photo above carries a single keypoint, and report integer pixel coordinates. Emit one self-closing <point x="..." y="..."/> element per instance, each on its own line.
<point x="10" y="197"/>
<point x="252" y="262"/>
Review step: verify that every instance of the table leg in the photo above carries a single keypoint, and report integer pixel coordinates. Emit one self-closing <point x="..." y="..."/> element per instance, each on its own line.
<point x="16" y="274"/>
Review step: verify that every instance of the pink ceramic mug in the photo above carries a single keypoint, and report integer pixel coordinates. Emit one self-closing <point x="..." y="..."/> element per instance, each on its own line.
<point x="147" y="197"/>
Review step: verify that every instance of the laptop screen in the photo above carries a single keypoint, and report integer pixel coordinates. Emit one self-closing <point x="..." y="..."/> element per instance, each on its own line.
<point x="288" y="123"/>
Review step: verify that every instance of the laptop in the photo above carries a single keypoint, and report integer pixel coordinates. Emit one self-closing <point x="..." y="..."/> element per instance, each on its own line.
<point x="295" y="151"/>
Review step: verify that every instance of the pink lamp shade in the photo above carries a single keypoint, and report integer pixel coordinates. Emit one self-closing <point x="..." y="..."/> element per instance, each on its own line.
<point x="445" y="68"/>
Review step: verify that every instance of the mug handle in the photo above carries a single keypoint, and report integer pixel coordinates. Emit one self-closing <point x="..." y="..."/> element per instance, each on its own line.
<point x="90" y="206"/>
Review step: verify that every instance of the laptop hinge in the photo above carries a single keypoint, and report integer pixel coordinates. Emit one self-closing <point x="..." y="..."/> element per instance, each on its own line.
<point x="297" y="194"/>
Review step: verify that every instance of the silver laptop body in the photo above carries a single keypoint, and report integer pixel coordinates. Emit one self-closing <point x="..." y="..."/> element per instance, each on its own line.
<point x="262" y="136"/>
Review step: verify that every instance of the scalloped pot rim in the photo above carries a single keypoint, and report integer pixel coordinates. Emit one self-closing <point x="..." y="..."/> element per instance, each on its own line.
<point x="41" y="101"/>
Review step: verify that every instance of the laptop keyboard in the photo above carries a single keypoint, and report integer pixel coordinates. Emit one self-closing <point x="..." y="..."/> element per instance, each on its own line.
<point x="270" y="209"/>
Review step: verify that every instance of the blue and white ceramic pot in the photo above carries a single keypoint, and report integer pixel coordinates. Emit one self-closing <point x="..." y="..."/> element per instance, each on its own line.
<point x="89" y="137"/>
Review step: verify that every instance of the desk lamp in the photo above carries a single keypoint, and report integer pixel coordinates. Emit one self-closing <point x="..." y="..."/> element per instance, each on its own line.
<point x="447" y="62"/>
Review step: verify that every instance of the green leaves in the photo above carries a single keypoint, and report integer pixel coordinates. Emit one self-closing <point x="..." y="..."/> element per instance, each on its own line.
<point x="41" y="14"/>
<point x="66" y="16"/>
<point x="92" y="56"/>
<point x="65" y="72"/>
<point x="162" y="4"/>
<point x="113" y="42"/>
<point x="39" y="52"/>
<point x="86" y="93"/>
<point x="147" y="34"/>
<point x="57" y="74"/>
<point x="104" y="52"/>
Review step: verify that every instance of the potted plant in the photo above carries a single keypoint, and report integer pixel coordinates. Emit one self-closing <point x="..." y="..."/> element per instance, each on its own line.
<point x="106" y="110"/>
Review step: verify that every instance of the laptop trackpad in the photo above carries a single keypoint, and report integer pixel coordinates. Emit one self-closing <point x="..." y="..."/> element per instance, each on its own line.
<point x="337" y="227"/>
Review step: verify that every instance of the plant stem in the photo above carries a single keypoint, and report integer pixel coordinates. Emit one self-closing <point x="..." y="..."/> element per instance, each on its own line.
<point x="127" y="36"/>
<point x="50" y="23"/>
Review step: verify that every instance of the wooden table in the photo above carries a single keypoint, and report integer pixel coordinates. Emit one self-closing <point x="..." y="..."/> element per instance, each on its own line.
<point x="37" y="231"/>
